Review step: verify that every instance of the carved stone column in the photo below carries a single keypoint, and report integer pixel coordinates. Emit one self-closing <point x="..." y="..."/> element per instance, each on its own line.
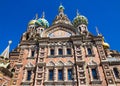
<point x="55" y="74"/>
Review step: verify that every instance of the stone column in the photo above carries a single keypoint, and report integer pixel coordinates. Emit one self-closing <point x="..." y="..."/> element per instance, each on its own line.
<point x="64" y="50"/>
<point x="56" y="50"/>
<point x="64" y="74"/>
<point x="46" y="74"/>
<point x="55" y="74"/>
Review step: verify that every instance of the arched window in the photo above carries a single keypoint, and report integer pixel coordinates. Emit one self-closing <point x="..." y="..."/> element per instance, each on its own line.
<point x="94" y="73"/>
<point x="32" y="53"/>
<point x="89" y="51"/>
<point x="115" y="70"/>
<point x="80" y="29"/>
<point x="27" y="36"/>
<point x="29" y="75"/>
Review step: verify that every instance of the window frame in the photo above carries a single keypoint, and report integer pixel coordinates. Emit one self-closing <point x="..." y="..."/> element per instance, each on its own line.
<point x="51" y="78"/>
<point x="53" y="52"/>
<point x="60" y="76"/>
<point x="116" y="74"/>
<point x="29" y="73"/>
<point x="69" y="78"/>
<point x="95" y="72"/>
<point x="89" y="51"/>
<point x="32" y="53"/>
<point x="60" y="53"/>
<point x="69" y="53"/>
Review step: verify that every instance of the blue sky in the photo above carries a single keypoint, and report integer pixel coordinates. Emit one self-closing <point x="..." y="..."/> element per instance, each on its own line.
<point x="15" y="15"/>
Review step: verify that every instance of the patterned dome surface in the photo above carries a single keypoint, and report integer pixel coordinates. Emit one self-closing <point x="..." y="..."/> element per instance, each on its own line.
<point x="43" y="22"/>
<point x="80" y="19"/>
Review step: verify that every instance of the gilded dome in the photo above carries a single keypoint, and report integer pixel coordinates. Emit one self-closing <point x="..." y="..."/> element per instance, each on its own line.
<point x="43" y="22"/>
<point x="32" y="22"/>
<point x="105" y="44"/>
<point x="80" y="19"/>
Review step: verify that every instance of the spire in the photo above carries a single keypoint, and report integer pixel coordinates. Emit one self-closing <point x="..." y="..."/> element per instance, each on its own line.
<point x="36" y="16"/>
<point x="5" y="53"/>
<point x="97" y="31"/>
<point x="43" y="14"/>
<point x="77" y="12"/>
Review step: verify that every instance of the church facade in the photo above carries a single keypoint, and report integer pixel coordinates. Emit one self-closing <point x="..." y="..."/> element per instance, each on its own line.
<point x="63" y="54"/>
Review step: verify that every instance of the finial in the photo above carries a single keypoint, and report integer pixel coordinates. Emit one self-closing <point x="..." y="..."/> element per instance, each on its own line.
<point x="77" y="12"/>
<point x="60" y="3"/>
<point x="43" y="14"/>
<point x="9" y="42"/>
<point x="36" y="16"/>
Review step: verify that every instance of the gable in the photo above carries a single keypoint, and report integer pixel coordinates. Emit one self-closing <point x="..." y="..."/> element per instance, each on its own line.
<point x="59" y="30"/>
<point x="59" y="34"/>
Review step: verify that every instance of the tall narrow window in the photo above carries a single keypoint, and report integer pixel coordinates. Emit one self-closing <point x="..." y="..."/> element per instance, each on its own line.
<point x="68" y="51"/>
<point x="60" y="51"/>
<point x="29" y="75"/>
<point x="60" y="74"/>
<point x="52" y="51"/>
<point x="89" y="51"/>
<point x="27" y="36"/>
<point x="94" y="73"/>
<point x="33" y="52"/>
<point x="80" y="29"/>
<point x="51" y="74"/>
<point x="69" y="74"/>
<point x="115" y="70"/>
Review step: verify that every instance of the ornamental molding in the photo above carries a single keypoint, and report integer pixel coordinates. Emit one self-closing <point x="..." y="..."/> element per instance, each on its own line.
<point x="60" y="63"/>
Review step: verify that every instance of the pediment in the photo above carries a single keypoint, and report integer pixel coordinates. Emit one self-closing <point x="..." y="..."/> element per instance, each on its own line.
<point x="59" y="31"/>
<point x="51" y="64"/>
<point x="59" y="34"/>
<point x="69" y="63"/>
<point x="60" y="63"/>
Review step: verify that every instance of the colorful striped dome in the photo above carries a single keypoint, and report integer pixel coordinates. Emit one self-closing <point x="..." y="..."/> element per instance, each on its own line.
<point x="43" y="22"/>
<point x="80" y="19"/>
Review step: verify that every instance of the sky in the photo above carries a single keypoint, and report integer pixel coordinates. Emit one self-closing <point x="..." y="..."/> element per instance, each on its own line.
<point x="15" y="15"/>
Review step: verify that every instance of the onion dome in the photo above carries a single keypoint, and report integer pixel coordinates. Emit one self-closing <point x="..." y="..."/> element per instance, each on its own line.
<point x="80" y="19"/>
<point x="43" y="22"/>
<point x="61" y="8"/>
<point x="105" y="44"/>
<point x="32" y="22"/>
